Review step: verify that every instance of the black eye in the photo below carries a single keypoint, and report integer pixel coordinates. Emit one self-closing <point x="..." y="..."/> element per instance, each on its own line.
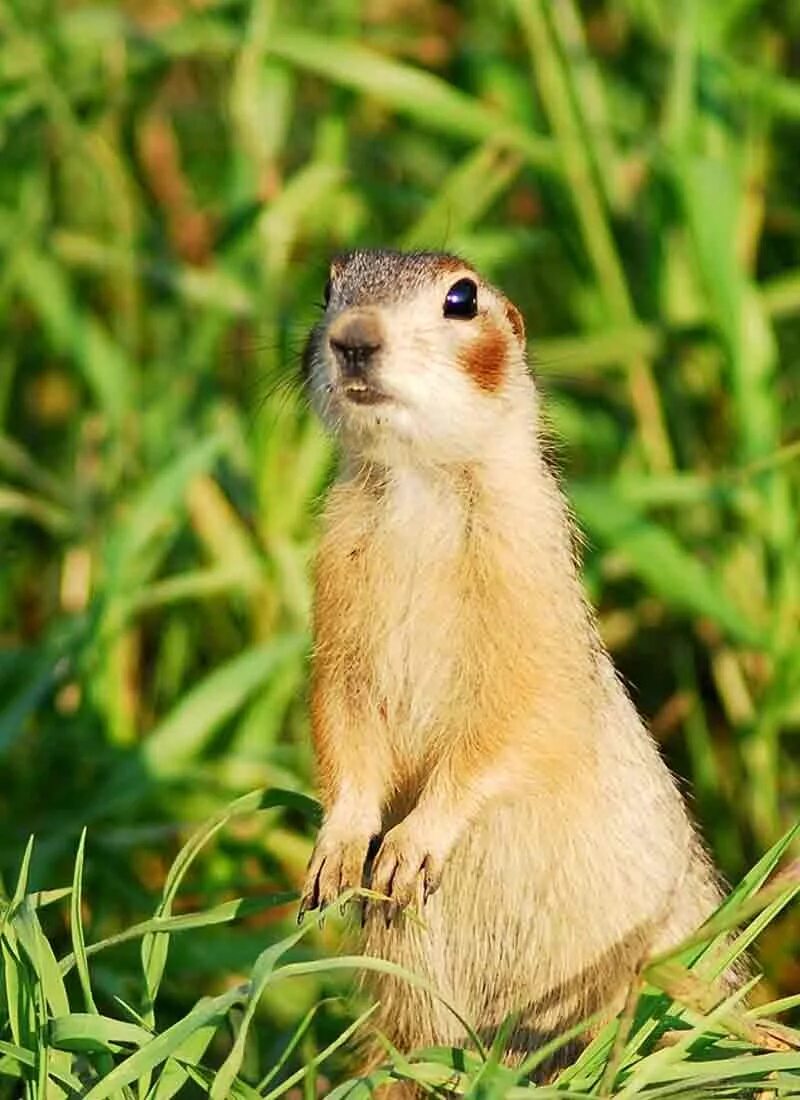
<point x="462" y="300"/>
<point x="326" y="294"/>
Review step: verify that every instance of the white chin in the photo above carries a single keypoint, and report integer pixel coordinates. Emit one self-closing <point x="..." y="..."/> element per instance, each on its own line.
<point x="365" y="420"/>
<point x="377" y="431"/>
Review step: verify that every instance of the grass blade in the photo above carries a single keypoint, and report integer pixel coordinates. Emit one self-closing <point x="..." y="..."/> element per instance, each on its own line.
<point x="660" y="561"/>
<point x="152" y="1054"/>
<point x="76" y="928"/>
<point x="181" y="735"/>
<point x="411" y="91"/>
<point x="319" y="1058"/>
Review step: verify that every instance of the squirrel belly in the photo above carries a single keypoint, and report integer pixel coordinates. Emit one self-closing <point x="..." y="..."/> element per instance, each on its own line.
<point x="464" y="710"/>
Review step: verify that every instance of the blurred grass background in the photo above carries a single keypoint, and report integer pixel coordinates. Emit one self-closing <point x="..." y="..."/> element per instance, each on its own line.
<point x="174" y="176"/>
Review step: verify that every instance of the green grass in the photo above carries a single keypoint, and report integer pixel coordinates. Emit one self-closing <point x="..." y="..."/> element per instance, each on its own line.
<point x="680" y="1034"/>
<point x="173" y="180"/>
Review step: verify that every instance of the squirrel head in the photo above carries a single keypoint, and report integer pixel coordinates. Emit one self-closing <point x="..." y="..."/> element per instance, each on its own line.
<point x="416" y="358"/>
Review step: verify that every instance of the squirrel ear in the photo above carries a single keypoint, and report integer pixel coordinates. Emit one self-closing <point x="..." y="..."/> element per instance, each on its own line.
<point x="515" y="320"/>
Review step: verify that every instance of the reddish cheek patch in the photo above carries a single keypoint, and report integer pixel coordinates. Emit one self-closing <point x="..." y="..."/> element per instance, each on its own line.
<point x="485" y="358"/>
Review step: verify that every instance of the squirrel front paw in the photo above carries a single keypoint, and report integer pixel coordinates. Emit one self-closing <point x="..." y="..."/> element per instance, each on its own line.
<point x="407" y="860"/>
<point x="337" y="864"/>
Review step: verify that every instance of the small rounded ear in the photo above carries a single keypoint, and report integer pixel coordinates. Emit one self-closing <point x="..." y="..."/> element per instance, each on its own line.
<point x="515" y="320"/>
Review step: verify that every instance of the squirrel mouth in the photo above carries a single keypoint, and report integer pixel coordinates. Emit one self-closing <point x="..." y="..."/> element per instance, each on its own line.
<point x="362" y="394"/>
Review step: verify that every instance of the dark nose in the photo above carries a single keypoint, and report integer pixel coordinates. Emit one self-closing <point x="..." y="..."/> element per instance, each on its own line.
<point x="355" y="342"/>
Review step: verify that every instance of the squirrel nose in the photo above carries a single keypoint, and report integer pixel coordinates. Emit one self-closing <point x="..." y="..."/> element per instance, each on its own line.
<point x="354" y="341"/>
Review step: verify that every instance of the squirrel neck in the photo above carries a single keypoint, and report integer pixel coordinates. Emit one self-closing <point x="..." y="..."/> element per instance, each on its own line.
<point x="502" y="510"/>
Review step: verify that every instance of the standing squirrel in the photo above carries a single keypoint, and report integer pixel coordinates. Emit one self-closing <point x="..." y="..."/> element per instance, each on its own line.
<point x="465" y="714"/>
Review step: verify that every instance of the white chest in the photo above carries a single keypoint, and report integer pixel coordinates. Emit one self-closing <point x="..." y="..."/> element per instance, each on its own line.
<point x="415" y="621"/>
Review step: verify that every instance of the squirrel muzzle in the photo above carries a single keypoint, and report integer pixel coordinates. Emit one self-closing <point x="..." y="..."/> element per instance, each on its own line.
<point x="355" y="339"/>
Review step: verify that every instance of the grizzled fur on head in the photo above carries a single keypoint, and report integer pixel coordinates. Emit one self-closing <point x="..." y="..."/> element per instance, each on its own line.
<point x="384" y="276"/>
<point x="399" y="376"/>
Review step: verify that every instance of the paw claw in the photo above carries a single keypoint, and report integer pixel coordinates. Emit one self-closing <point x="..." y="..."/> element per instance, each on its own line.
<point x="336" y="865"/>
<point x="403" y="870"/>
<point x="431" y="879"/>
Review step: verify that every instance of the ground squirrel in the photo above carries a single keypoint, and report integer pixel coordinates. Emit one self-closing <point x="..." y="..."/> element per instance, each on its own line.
<point x="464" y="710"/>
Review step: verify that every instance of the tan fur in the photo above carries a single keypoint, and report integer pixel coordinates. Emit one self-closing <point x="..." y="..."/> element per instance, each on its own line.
<point x="464" y="709"/>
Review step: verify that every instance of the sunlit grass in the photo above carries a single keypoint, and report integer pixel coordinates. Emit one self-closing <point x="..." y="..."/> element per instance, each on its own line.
<point x="680" y="1035"/>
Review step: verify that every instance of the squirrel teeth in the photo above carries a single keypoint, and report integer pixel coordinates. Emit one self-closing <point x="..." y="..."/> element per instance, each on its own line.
<point x="363" y="394"/>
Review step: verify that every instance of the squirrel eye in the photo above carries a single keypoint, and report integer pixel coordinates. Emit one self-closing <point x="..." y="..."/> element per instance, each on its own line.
<point x="326" y="294"/>
<point x="462" y="300"/>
